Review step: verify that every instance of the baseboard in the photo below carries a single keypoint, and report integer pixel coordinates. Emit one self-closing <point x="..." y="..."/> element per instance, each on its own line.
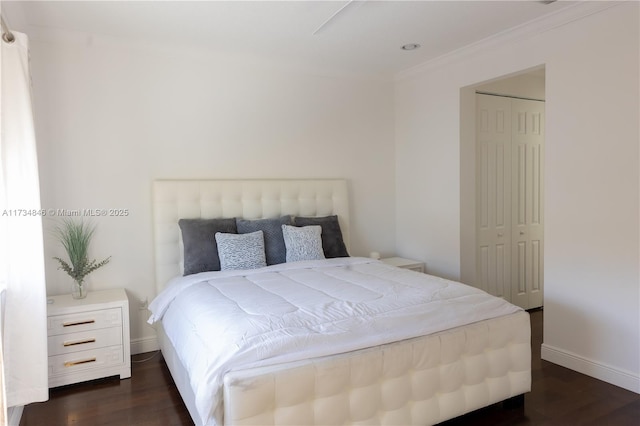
<point x="606" y="373"/>
<point x="144" y="344"/>
<point x="14" y="415"/>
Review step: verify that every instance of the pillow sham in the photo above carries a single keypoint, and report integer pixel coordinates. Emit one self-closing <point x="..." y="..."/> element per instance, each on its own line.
<point x="332" y="241"/>
<point x="303" y="243"/>
<point x="241" y="251"/>
<point x="200" y="248"/>
<point x="274" y="247"/>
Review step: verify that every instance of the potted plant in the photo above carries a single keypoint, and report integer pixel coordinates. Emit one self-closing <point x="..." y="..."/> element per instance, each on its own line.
<point x="75" y="237"/>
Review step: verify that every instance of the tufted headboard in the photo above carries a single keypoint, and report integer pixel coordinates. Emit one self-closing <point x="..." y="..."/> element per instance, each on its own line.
<point x="249" y="199"/>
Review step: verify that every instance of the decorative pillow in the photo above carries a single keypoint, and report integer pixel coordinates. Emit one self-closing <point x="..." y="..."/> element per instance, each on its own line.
<point x="241" y="251"/>
<point x="274" y="247"/>
<point x="303" y="243"/>
<point x="332" y="241"/>
<point x="198" y="238"/>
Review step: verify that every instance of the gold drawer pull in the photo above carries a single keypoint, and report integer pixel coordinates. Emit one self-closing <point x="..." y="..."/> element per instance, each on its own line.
<point x="70" y="324"/>
<point x="79" y="342"/>
<point x="84" y="361"/>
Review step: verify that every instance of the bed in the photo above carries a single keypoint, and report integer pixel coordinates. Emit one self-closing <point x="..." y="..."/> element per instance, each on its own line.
<point x="359" y="345"/>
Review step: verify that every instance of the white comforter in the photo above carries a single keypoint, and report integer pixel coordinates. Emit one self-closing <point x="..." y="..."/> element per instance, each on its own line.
<point x="229" y="320"/>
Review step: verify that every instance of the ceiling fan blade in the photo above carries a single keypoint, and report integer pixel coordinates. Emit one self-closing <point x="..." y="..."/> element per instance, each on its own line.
<point x="332" y="17"/>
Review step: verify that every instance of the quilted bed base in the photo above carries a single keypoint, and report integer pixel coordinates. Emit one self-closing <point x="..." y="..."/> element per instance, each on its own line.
<point x="420" y="381"/>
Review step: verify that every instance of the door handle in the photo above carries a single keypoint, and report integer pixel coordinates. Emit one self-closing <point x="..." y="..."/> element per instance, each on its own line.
<point x="499" y="234"/>
<point x="521" y="232"/>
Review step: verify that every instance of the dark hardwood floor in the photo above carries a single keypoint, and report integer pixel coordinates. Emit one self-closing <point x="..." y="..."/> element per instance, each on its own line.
<point x="559" y="397"/>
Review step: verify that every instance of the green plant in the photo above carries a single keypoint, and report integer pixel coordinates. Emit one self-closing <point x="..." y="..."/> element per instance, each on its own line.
<point x="75" y="237"/>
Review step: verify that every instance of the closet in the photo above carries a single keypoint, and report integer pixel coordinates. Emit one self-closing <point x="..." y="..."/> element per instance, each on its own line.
<point x="509" y="198"/>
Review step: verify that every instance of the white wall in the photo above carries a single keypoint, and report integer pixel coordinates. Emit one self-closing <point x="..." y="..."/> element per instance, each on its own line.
<point x="592" y="259"/>
<point x="111" y="117"/>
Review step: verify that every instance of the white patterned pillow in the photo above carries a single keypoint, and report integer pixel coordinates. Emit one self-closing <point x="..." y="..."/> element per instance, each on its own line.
<point x="303" y="243"/>
<point x="241" y="251"/>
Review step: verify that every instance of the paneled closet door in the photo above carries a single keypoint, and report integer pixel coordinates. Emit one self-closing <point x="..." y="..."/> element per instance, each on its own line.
<point x="509" y="196"/>
<point x="493" y="189"/>
<point x="527" y="209"/>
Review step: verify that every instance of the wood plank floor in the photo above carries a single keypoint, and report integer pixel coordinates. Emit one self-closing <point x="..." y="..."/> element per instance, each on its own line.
<point x="559" y="397"/>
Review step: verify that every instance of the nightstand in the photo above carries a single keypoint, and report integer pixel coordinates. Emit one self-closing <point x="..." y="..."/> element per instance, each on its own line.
<point x="400" y="262"/>
<point x="88" y="338"/>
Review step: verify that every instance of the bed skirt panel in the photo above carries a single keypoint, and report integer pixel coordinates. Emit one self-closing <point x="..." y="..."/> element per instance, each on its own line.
<point x="178" y="372"/>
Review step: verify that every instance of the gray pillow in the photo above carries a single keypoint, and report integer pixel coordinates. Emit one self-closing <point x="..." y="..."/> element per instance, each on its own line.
<point x="241" y="251"/>
<point x="303" y="243"/>
<point x="332" y="241"/>
<point x="198" y="238"/>
<point x="273" y="240"/>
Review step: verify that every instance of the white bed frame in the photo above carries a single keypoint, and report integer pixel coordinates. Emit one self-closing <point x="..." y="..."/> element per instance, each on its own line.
<point x="423" y="381"/>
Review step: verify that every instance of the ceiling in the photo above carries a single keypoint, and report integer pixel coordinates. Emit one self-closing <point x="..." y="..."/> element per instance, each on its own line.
<point x="364" y="37"/>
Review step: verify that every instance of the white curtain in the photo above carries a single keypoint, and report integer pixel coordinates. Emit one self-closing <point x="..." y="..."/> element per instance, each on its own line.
<point x="21" y="244"/>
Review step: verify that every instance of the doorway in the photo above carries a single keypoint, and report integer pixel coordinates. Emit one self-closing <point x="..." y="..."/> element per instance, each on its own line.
<point x="502" y="187"/>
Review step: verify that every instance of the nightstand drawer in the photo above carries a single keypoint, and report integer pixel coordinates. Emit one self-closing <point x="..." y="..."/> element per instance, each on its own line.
<point x="92" y="320"/>
<point x="85" y="360"/>
<point x="84" y="340"/>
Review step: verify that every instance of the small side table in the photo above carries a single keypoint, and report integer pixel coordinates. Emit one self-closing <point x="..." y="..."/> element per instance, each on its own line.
<point x="401" y="262"/>
<point x="88" y="338"/>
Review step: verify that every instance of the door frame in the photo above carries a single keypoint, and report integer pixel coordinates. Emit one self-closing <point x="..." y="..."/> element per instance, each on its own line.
<point x="468" y="240"/>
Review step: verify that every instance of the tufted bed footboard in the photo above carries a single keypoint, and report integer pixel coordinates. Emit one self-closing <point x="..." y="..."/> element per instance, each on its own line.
<point x="420" y="381"/>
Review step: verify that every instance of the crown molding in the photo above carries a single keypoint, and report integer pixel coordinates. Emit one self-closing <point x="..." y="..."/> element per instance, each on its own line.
<point x="537" y="26"/>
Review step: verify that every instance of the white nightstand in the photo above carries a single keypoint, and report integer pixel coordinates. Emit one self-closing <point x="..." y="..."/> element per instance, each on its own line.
<point x="88" y="338"/>
<point x="400" y="262"/>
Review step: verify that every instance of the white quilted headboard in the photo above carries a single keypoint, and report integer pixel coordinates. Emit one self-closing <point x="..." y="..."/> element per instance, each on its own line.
<point x="249" y="199"/>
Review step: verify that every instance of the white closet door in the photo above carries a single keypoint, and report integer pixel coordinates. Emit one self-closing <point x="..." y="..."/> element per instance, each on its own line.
<point x="509" y="188"/>
<point x="527" y="203"/>
<point x="493" y="186"/>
